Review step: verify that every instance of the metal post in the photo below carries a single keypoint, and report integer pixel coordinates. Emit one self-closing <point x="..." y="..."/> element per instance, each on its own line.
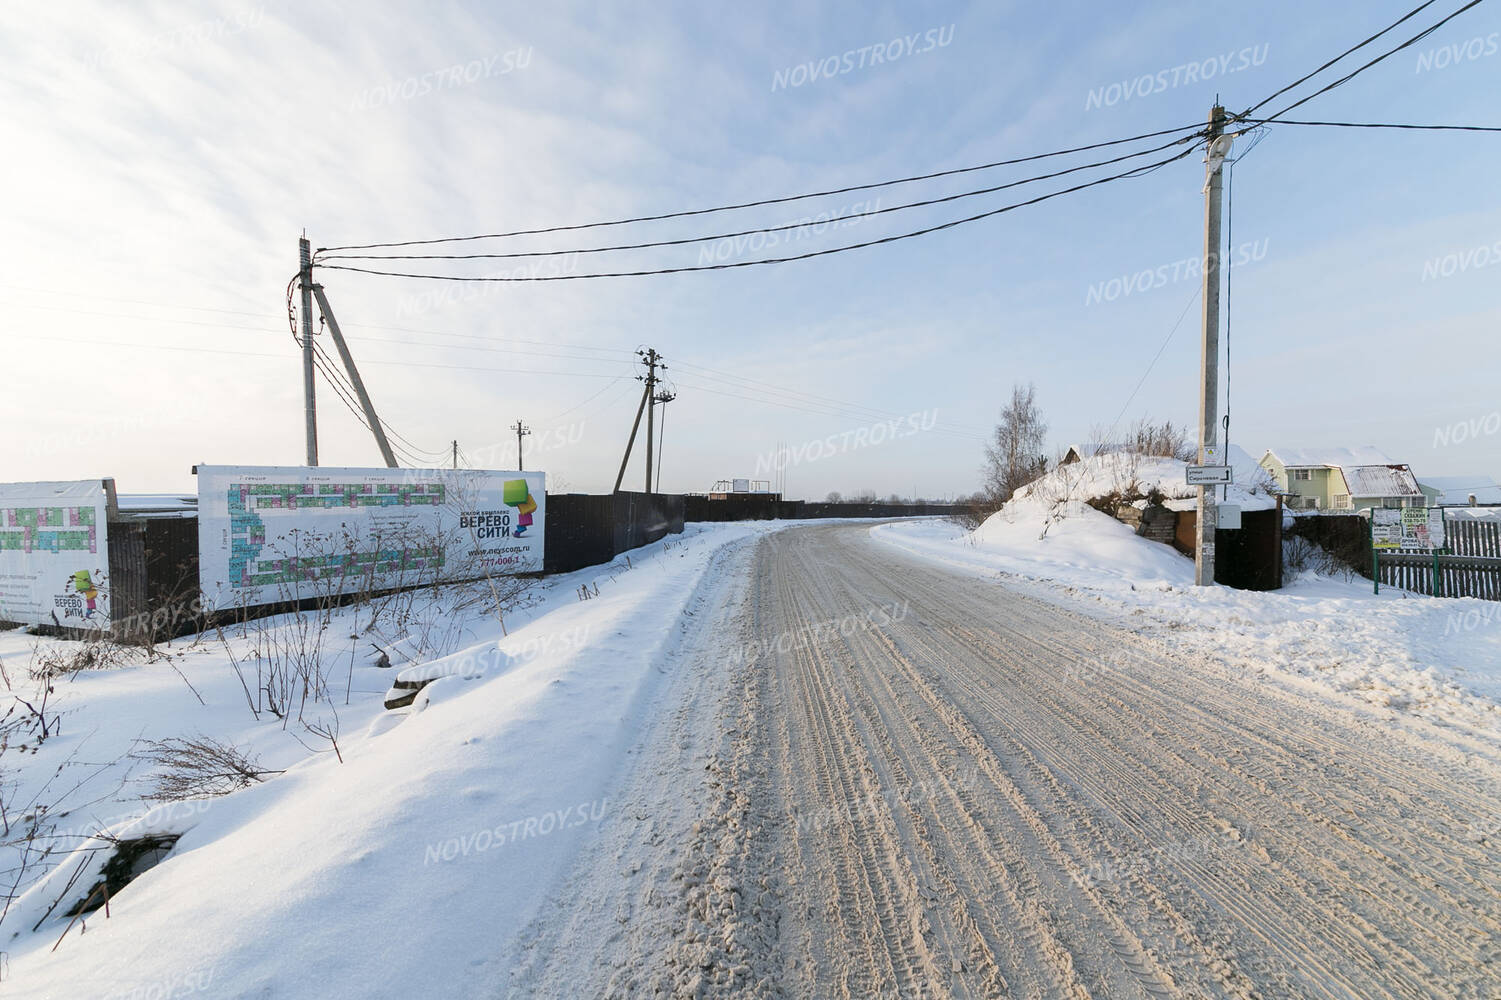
<point x="310" y="410"/>
<point x="376" y="427"/>
<point x="1219" y="146"/>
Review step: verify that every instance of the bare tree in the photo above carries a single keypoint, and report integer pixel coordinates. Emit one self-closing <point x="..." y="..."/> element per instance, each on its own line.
<point x="834" y="497"/>
<point x="1015" y="455"/>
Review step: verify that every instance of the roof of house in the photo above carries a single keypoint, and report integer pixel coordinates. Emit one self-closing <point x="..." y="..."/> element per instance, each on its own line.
<point x="1366" y="470"/>
<point x="1380" y="481"/>
<point x="1341" y="458"/>
<point x="1457" y="490"/>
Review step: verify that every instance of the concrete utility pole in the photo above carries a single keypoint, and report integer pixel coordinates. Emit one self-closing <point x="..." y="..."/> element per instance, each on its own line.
<point x="653" y="361"/>
<point x="1209" y="419"/>
<point x="376" y="427"/>
<point x="521" y="431"/>
<point x="310" y="410"/>
<point x="455" y="453"/>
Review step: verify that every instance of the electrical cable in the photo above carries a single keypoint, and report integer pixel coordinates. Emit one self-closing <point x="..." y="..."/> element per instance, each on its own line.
<point x="1303" y="79"/>
<point x="1353" y="74"/>
<point x="769" y="229"/>
<point x="765" y="201"/>
<point x="1135" y="172"/>
<point x="1390" y="125"/>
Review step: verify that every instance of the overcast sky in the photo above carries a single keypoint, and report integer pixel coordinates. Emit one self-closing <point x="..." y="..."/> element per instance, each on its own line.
<point x="162" y="159"/>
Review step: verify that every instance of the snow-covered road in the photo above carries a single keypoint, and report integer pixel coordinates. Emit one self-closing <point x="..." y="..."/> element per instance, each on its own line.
<point x="871" y="776"/>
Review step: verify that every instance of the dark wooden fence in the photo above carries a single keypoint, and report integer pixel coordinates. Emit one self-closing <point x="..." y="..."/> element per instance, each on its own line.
<point x="1469" y="566"/>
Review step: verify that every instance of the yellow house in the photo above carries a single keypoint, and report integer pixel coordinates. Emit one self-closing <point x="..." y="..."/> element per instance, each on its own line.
<point x="1341" y="478"/>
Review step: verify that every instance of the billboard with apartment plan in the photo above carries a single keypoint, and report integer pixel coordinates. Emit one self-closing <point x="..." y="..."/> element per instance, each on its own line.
<point x="54" y="560"/>
<point x="269" y="534"/>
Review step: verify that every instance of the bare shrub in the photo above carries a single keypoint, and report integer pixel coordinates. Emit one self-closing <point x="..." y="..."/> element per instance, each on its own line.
<point x="196" y="768"/>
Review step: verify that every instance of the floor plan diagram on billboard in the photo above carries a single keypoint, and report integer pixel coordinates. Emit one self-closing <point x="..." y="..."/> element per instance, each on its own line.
<point x="252" y="563"/>
<point x="276" y="534"/>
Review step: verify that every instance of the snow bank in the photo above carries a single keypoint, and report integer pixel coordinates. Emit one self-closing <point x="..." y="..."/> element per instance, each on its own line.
<point x="439" y="834"/>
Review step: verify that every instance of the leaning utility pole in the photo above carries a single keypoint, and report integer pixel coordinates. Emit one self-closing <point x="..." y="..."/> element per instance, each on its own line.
<point x="1209" y="418"/>
<point x="310" y="411"/>
<point x="521" y="431"/>
<point x="371" y="419"/>
<point x="653" y="361"/>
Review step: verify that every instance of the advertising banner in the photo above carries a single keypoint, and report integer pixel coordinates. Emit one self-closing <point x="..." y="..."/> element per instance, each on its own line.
<point x="1407" y="528"/>
<point x="54" y="560"/>
<point x="270" y="534"/>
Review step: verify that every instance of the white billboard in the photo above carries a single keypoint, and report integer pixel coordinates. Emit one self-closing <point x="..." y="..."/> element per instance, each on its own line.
<point x="54" y="558"/>
<point x="270" y="534"/>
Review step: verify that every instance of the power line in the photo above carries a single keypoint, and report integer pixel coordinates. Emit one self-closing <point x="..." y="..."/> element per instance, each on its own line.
<point x="1135" y="172"/>
<point x="1303" y="79"/>
<point x="769" y="229"/>
<point x="342" y="387"/>
<point x="1390" y="52"/>
<point x="766" y="201"/>
<point x="1418" y="128"/>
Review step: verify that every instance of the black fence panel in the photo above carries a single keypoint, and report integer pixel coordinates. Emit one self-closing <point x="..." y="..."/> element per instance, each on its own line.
<point x="1250" y="557"/>
<point x="579" y="531"/>
<point x="642" y="518"/>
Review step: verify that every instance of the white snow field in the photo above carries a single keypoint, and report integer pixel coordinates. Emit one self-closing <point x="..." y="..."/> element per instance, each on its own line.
<point x="397" y="872"/>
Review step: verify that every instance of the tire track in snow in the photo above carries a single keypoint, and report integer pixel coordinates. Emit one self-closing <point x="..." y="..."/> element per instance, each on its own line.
<point x="949" y="806"/>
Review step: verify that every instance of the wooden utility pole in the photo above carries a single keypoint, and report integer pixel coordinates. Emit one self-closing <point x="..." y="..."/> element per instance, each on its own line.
<point x="521" y="431"/>
<point x="1209" y="419"/>
<point x="310" y="409"/>
<point x="455" y="453"/>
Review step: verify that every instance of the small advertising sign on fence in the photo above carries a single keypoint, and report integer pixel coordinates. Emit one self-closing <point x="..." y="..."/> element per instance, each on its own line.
<point x="1407" y="528"/>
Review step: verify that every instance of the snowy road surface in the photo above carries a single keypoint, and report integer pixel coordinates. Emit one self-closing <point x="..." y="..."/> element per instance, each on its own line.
<point x="871" y="777"/>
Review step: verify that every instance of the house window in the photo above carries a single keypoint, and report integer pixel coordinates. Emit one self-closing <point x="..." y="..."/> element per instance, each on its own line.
<point x="1302" y="475"/>
<point x="1340" y="501"/>
<point x="1391" y="502"/>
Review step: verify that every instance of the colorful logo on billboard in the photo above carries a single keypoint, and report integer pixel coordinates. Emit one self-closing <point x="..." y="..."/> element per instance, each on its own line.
<point x="516" y="494"/>
<point x="80" y="596"/>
